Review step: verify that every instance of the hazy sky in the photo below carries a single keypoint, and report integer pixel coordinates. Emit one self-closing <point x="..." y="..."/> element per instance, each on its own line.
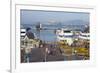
<point x="32" y="16"/>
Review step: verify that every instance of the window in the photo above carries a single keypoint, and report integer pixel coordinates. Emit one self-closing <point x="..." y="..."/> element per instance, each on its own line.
<point x="67" y="31"/>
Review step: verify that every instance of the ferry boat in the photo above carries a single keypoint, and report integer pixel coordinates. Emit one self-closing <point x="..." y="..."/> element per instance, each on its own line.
<point x="84" y="36"/>
<point x="70" y="35"/>
<point x="65" y="35"/>
<point x="22" y="32"/>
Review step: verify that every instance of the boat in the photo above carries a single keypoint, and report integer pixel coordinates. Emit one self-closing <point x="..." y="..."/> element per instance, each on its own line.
<point x="68" y="36"/>
<point x="84" y="36"/>
<point x="65" y="35"/>
<point x="22" y="32"/>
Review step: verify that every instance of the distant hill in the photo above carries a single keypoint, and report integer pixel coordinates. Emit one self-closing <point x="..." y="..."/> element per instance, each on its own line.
<point x="72" y="24"/>
<point x="76" y="22"/>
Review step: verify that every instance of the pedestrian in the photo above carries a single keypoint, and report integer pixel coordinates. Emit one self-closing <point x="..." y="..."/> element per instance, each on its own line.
<point x="27" y="54"/>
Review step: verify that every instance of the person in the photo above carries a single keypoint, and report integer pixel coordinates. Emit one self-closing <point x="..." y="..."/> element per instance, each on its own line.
<point x="60" y="50"/>
<point x="47" y="51"/>
<point x="27" y="54"/>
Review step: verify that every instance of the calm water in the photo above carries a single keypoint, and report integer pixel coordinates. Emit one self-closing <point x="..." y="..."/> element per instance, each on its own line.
<point x="49" y="34"/>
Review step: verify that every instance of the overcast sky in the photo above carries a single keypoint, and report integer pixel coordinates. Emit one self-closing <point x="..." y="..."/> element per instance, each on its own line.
<point x="32" y="16"/>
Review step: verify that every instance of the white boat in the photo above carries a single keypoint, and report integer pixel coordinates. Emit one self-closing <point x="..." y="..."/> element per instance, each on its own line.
<point x="69" y="36"/>
<point x="85" y="36"/>
<point x="23" y="32"/>
<point x="65" y="35"/>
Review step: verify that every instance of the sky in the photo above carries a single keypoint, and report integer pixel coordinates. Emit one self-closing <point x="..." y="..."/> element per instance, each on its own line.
<point x="33" y="16"/>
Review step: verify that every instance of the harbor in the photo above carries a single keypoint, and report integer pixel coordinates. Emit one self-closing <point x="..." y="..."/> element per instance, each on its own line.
<point x="65" y="45"/>
<point x="47" y="36"/>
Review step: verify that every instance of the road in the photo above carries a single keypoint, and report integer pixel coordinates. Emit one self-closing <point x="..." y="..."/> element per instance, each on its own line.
<point x="55" y="54"/>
